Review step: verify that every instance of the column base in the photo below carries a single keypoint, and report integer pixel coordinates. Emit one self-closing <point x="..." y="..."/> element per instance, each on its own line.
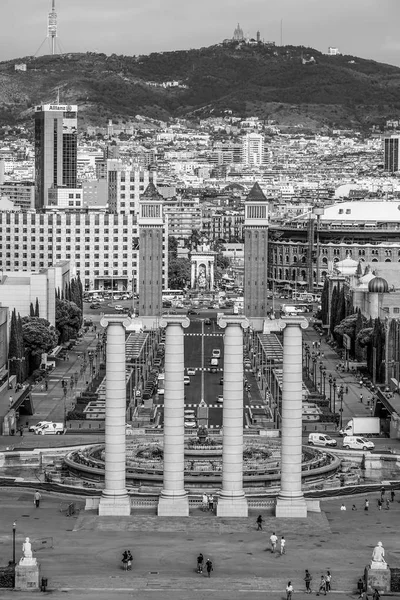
<point x="27" y="575"/>
<point x="295" y="508"/>
<point x="115" y="506"/>
<point x="235" y="506"/>
<point x="377" y="578"/>
<point x="173" y="506"/>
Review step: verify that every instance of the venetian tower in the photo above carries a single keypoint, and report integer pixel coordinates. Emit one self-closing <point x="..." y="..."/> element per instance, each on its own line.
<point x="255" y="254"/>
<point x="151" y="232"/>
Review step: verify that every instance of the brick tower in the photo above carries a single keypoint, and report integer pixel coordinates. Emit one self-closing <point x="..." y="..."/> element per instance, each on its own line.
<point x="255" y="254"/>
<point x="151" y="229"/>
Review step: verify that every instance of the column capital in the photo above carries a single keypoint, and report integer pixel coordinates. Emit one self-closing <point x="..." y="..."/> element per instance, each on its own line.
<point x="280" y="324"/>
<point x="174" y="320"/>
<point x="226" y="320"/>
<point x="115" y="319"/>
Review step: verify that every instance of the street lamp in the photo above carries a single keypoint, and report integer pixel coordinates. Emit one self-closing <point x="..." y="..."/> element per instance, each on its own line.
<point x="314" y="360"/>
<point x="324" y="378"/>
<point x="341" y="394"/>
<point x="14" y="530"/>
<point x="330" y="381"/>
<point x="321" y="368"/>
<point x="91" y="357"/>
<point x="334" y="385"/>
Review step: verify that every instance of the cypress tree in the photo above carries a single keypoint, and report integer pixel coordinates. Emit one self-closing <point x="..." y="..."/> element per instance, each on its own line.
<point x="31" y="310"/>
<point x="333" y="315"/>
<point x="21" y="350"/>
<point x="37" y="312"/>
<point x="325" y="302"/>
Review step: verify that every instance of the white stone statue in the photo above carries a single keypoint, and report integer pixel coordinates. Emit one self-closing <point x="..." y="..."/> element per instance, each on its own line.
<point x="378" y="557"/>
<point x="27" y="559"/>
<point x="27" y="548"/>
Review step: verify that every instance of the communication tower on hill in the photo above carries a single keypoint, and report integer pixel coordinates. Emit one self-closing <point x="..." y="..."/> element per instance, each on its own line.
<point x="52" y="26"/>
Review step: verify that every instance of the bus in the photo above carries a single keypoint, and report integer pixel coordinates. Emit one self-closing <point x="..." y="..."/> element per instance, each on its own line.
<point x="303" y="296"/>
<point x="173" y="294"/>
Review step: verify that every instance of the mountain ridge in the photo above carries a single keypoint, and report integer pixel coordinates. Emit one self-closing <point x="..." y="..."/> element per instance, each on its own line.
<point x="286" y="84"/>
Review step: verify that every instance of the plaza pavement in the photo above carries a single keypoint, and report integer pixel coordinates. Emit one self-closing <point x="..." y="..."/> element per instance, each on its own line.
<point x="81" y="556"/>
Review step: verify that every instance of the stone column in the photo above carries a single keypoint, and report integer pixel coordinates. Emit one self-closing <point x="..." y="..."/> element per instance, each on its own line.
<point x="290" y="502"/>
<point x="115" y="499"/>
<point x="232" y="500"/>
<point x="174" y="500"/>
<point x="212" y="275"/>
<point x="192" y="274"/>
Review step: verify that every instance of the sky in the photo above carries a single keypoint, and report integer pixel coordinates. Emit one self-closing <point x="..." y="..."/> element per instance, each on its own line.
<point x="364" y="28"/>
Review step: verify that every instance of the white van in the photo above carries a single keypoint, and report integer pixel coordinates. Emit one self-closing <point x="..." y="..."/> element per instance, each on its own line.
<point x="355" y="442"/>
<point x="51" y="429"/>
<point x="321" y="439"/>
<point x="216" y="353"/>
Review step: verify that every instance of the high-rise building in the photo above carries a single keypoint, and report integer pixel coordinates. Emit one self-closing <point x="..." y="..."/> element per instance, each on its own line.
<point x="253" y="149"/>
<point x="391" y="145"/>
<point x="56" y="131"/>
<point x="255" y="253"/>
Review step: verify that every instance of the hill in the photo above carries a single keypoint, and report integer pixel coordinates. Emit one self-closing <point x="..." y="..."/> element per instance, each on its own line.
<point x="281" y="83"/>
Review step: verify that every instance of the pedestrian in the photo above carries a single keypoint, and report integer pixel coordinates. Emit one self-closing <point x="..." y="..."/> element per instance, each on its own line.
<point x="42" y="387"/>
<point x="360" y="587"/>
<point x="46" y="385"/>
<point x="328" y="580"/>
<point x="361" y="398"/>
<point x="209" y="567"/>
<point x="273" y="539"/>
<point x="387" y="504"/>
<point x="379" y="504"/>
<point x="289" y="591"/>
<point x="366" y="505"/>
<point x="382" y="492"/>
<point x="392" y="495"/>
<point x="211" y="503"/>
<point x="36" y="498"/>
<point x="308" y="579"/>
<point x="322" y="586"/>
<point x="283" y="545"/>
<point x="125" y="560"/>
<point x="21" y="430"/>
<point x="354" y="507"/>
<point x="346" y="389"/>
<point x="259" y="522"/>
<point x="200" y="560"/>
<point x="343" y="507"/>
<point x="129" y="561"/>
<point x="205" y="502"/>
<point x="322" y="355"/>
<point x="376" y="595"/>
<point x="11" y="400"/>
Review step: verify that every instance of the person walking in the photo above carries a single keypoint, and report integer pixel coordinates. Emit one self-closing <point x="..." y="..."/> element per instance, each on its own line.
<point x="343" y="507"/>
<point x="205" y="502"/>
<point x="322" y="586"/>
<point x="273" y="539"/>
<point x="289" y="591"/>
<point x="46" y="385"/>
<point x="129" y="561"/>
<point x="283" y="545"/>
<point x="200" y="560"/>
<point x="259" y="522"/>
<point x="211" y="503"/>
<point x="387" y="504"/>
<point x="361" y="398"/>
<point x="360" y="588"/>
<point x="328" y="580"/>
<point x="379" y="503"/>
<point x="209" y="567"/>
<point x="308" y="579"/>
<point x="366" y="504"/>
<point x="382" y="493"/>
<point x="36" y="498"/>
<point x="392" y="495"/>
<point x="125" y="560"/>
<point x="21" y="430"/>
<point x="376" y="595"/>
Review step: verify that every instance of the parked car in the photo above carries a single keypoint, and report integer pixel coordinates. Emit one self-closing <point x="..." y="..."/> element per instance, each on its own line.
<point x="220" y="398"/>
<point x="186" y="380"/>
<point x="95" y="306"/>
<point x="321" y="439"/>
<point x="216" y="353"/>
<point x="191" y="311"/>
<point x="190" y="423"/>
<point x="35" y="426"/>
<point x="191" y="371"/>
<point x="221" y="381"/>
<point x="207" y="321"/>
<point x="50" y="429"/>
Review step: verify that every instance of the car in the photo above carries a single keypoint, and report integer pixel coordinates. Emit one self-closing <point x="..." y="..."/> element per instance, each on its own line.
<point x="186" y="380"/>
<point x="191" y="371"/>
<point x="216" y="353"/>
<point x="247" y="364"/>
<point x="356" y="442"/>
<point x="118" y="307"/>
<point x="189" y="413"/>
<point x="38" y="425"/>
<point x="321" y="439"/>
<point x="191" y="311"/>
<point x="221" y="381"/>
<point x="190" y="423"/>
<point x="213" y="369"/>
<point x="220" y="398"/>
<point x="95" y="306"/>
<point x="207" y="321"/>
<point x="157" y="362"/>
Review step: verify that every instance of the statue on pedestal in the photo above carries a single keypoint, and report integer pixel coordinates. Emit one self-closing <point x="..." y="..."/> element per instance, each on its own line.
<point x="378" y="557"/>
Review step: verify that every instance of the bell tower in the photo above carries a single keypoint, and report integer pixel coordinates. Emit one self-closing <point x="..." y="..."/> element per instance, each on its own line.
<point x="255" y="254"/>
<point x="151" y="230"/>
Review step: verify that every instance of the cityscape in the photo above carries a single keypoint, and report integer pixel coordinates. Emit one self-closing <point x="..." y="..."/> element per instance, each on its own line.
<point x="199" y="341"/>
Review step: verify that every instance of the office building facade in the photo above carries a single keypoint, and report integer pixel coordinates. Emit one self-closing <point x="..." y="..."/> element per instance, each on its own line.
<point x="56" y="130"/>
<point x="391" y="148"/>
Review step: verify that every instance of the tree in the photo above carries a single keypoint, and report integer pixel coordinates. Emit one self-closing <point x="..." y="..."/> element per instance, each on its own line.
<point x="179" y="273"/>
<point x="193" y="240"/>
<point x="334" y="301"/>
<point x="39" y="337"/>
<point x="325" y="302"/>
<point x="31" y="310"/>
<point x="172" y="247"/>
<point x="68" y="319"/>
<point x="37" y="313"/>
<point x="359" y="352"/>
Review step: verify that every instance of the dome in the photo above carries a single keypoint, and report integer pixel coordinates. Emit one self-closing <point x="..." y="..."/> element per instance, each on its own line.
<point x="348" y="266"/>
<point x="378" y="285"/>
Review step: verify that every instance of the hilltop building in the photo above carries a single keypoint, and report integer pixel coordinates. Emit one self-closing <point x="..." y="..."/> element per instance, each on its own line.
<point x="238" y="35"/>
<point x="56" y="131"/>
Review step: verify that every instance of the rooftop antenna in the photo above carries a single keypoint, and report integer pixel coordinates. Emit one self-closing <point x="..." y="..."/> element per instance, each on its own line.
<point x="52" y="26"/>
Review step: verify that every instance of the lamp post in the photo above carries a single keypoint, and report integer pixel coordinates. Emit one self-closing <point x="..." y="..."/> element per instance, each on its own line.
<point x="324" y="381"/>
<point x="307" y="353"/>
<point x="341" y="394"/>
<point x="14" y="530"/>
<point x="321" y="368"/>
<point x="91" y="357"/>
<point x="334" y="385"/>
<point x="330" y="380"/>
<point x="314" y="360"/>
